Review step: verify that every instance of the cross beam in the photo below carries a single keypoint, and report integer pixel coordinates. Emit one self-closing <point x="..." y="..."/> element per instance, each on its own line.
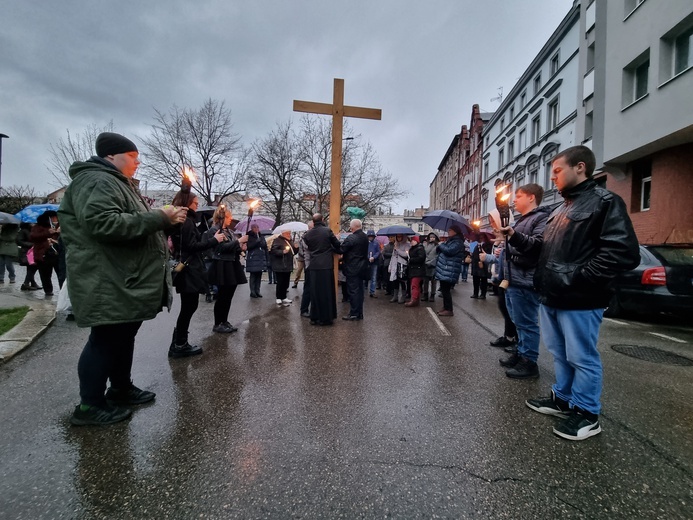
<point x="338" y="111"/>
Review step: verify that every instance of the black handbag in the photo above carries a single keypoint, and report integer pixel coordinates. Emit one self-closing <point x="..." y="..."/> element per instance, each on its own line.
<point x="176" y="265"/>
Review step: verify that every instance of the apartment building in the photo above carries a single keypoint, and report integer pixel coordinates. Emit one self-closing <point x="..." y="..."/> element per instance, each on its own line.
<point x="642" y="124"/>
<point x="469" y="176"/>
<point x="535" y="120"/>
<point x="443" y="188"/>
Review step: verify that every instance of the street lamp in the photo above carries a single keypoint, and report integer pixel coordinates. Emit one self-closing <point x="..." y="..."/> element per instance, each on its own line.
<point x="2" y="136"/>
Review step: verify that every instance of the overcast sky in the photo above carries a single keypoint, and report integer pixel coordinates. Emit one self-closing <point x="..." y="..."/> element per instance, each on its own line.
<point x="68" y="64"/>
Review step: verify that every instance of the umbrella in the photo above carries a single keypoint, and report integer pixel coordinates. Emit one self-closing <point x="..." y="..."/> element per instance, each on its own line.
<point x="396" y="230"/>
<point x="6" y="218"/>
<point x="32" y="212"/>
<point x="443" y="219"/>
<point x="262" y="222"/>
<point x="294" y="227"/>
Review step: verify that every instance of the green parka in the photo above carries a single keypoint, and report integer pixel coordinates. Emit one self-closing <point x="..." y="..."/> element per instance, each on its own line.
<point x="116" y="253"/>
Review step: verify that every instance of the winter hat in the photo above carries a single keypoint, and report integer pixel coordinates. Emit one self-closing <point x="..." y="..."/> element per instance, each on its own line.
<point x="370" y="233"/>
<point x="415" y="239"/>
<point x="108" y="143"/>
<point x="457" y="229"/>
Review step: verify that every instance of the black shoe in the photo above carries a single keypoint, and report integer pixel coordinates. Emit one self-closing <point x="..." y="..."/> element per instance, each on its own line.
<point x="208" y="298"/>
<point x="25" y="287"/>
<point x="351" y="317"/>
<point x="99" y="415"/>
<point x="372" y="295"/>
<point x="253" y="295"/>
<point x="524" y="369"/>
<point x="70" y="317"/>
<point x="225" y="328"/>
<point x="179" y="351"/>
<point x="294" y="286"/>
<point x="502" y="342"/>
<point x="258" y="295"/>
<point x="473" y="296"/>
<point x="512" y="349"/>
<point x="579" y="426"/>
<point x="305" y="315"/>
<point x="482" y="297"/>
<point x="130" y="396"/>
<point x="551" y="405"/>
<point x="511" y="361"/>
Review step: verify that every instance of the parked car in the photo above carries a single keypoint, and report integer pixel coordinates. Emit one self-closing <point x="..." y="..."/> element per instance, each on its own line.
<point x="662" y="283"/>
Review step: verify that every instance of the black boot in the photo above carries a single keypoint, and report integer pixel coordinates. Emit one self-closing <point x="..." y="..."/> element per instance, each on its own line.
<point x="524" y="369"/>
<point x="182" y="350"/>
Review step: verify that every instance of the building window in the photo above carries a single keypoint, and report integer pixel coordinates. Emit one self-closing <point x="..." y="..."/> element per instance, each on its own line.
<point x="552" y="115"/>
<point x="522" y="141"/>
<point x="589" y="125"/>
<point x="511" y="149"/>
<point x="484" y="203"/>
<point x="488" y="141"/>
<point x="533" y="172"/>
<point x="523" y="99"/>
<point x="512" y="112"/>
<point x="635" y="77"/>
<point x="589" y="64"/>
<point x="642" y="184"/>
<point x="421" y="228"/>
<point x="548" y="160"/>
<point x="631" y="5"/>
<point x="501" y="158"/>
<point x="555" y="63"/>
<point x="645" y="188"/>
<point x="536" y="129"/>
<point x="683" y="59"/>
<point x="502" y="123"/>
<point x="486" y="168"/>
<point x="537" y="84"/>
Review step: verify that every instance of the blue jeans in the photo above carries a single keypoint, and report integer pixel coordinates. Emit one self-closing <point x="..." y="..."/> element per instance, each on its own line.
<point x="571" y="336"/>
<point x="523" y="306"/>
<point x="6" y="262"/>
<point x="465" y="272"/>
<point x="374" y="276"/>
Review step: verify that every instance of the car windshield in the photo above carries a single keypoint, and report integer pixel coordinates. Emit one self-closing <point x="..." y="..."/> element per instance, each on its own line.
<point x="675" y="256"/>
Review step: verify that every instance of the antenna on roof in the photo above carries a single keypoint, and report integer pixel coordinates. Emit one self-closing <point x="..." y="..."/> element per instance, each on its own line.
<point x="499" y="97"/>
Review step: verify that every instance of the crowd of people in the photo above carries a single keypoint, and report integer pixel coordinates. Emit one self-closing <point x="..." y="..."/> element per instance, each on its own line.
<point x="549" y="271"/>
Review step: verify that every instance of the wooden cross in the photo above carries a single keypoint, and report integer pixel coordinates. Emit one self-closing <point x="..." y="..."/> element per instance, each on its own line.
<point x="338" y="112"/>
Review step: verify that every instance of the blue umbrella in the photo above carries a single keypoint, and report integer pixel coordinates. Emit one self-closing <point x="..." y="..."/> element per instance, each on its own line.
<point x="396" y="230"/>
<point x="31" y="213"/>
<point x="444" y="219"/>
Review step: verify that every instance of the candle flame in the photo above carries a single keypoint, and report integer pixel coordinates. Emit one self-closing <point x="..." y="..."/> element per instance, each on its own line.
<point x="501" y="188"/>
<point x="253" y="204"/>
<point x="505" y="197"/>
<point x="477" y="223"/>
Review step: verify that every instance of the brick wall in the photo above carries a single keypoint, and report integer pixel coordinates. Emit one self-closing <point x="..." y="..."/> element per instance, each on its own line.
<point x="670" y="217"/>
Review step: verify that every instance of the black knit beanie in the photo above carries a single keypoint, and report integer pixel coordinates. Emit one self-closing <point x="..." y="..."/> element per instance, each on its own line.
<point x="108" y="143"/>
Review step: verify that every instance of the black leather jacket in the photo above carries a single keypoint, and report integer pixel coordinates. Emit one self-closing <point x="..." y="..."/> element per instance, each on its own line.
<point x="588" y="240"/>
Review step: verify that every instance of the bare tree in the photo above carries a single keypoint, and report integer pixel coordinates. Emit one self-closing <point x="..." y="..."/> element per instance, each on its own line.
<point x="14" y="198"/>
<point x="77" y="147"/>
<point x="202" y="139"/>
<point x="277" y="161"/>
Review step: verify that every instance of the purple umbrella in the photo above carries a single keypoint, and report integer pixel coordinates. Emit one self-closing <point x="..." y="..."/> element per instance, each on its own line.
<point x="264" y="223"/>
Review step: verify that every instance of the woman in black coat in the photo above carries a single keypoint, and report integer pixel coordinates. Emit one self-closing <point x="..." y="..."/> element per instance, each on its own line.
<point x="225" y="271"/>
<point x="255" y="259"/>
<point x="417" y="270"/>
<point x="282" y="262"/>
<point x="480" y="269"/>
<point x="188" y="245"/>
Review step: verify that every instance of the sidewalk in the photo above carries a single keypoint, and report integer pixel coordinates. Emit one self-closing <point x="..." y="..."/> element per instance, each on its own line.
<point x="41" y="314"/>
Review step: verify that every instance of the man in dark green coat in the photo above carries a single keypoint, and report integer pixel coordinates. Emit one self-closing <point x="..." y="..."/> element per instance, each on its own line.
<point x="117" y="273"/>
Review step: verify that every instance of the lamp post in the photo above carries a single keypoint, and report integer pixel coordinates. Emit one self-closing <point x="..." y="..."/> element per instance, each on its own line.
<point x="2" y="136"/>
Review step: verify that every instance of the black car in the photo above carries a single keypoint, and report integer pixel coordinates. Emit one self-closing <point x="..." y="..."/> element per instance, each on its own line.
<point x="661" y="284"/>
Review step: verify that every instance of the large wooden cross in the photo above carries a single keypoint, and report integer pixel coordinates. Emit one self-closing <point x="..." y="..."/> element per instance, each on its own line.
<point x="338" y="112"/>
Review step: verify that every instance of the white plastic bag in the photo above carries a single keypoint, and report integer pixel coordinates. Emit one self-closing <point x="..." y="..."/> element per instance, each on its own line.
<point x="64" y="304"/>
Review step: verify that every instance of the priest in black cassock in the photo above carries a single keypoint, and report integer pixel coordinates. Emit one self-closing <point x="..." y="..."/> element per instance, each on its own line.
<point x="322" y="245"/>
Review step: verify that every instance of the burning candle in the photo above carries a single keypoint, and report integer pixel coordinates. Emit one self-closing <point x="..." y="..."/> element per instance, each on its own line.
<point x="251" y="208"/>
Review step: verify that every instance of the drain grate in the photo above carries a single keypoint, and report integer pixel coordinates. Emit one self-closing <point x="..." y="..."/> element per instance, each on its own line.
<point x="653" y="354"/>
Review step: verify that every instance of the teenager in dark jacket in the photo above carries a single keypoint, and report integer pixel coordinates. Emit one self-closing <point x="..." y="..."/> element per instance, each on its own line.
<point x="525" y="239"/>
<point x="255" y="259"/>
<point x="188" y="245"/>
<point x="282" y="262"/>
<point x="480" y="269"/>
<point x="225" y="270"/>
<point x="588" y="241"/>
<point x="417" y="270"/>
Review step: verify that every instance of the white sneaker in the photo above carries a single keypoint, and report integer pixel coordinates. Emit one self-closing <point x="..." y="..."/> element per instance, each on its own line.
<point x="286" y="301"/>
<point x="279" y="302"/>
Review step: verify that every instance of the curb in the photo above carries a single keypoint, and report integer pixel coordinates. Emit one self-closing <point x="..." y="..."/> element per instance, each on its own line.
<point x="34" y="324"/>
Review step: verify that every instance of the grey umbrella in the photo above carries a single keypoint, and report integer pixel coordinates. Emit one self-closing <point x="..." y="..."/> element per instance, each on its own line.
<point x="6" y="218"/>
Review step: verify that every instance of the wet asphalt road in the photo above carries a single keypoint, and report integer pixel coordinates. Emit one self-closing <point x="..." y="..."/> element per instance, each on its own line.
<point x="387" y="417"/>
